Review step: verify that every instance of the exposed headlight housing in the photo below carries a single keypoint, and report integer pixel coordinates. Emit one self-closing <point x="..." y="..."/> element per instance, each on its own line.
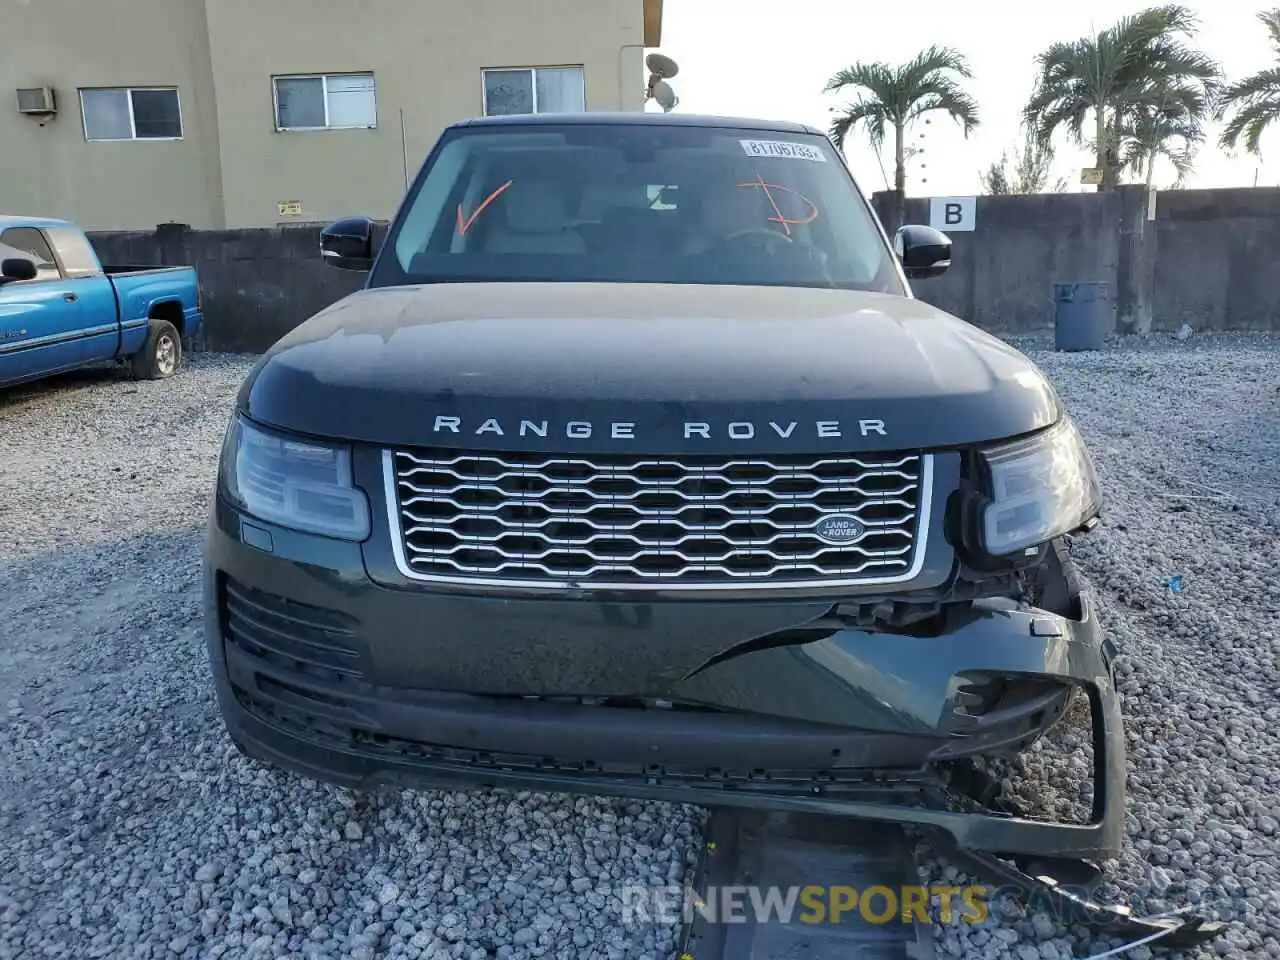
<point x="294" y="483"/>
<point x="1039" y="488"/>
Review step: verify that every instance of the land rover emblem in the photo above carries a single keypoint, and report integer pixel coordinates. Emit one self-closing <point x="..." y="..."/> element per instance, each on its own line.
<point x="840" y="528"/>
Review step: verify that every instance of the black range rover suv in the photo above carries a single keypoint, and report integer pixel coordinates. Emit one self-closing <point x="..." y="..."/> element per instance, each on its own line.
<point x="636" y="468"/>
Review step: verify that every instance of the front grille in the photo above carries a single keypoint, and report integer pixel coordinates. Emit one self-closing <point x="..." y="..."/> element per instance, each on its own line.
<point x="619" y="521"/>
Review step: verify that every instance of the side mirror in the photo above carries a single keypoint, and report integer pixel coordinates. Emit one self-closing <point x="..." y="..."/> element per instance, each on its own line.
<point x="17" y="268"/>
<point x="923" y="251"/>
<point x="348" y="243"/>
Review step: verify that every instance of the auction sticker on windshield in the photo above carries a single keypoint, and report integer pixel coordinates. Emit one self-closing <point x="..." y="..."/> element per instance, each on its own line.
<point x="777" y="148"/>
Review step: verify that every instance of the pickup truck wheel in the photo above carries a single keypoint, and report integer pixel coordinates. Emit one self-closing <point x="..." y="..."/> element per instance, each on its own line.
<point x="161" y="354"/>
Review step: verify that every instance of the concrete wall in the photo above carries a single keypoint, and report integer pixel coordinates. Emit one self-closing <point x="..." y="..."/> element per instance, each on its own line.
<point x="1002" y="273"/>
<point x="232" y="168"/>
<point x="52" y="170"/>
<point x="258" y="284"/>
<point x="1215" y="259"/>
<point x="1207" y="259"/>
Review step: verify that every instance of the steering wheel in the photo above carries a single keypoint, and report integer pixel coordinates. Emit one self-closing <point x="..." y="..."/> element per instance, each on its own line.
<point x="773" y="235"/>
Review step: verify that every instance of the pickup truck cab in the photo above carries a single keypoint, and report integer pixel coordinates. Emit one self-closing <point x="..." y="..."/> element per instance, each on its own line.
<point x="60" y="308"/>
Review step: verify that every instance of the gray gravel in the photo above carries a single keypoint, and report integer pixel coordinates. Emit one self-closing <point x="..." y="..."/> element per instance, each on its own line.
<point x="130" y="827"/>
<point x="1187" y="437"/>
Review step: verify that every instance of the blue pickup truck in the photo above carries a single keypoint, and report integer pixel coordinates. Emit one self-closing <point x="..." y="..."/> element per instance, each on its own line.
<point x="60" y="308"/>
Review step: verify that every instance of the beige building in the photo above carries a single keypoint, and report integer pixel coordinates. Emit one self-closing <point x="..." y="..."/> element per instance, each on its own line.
<point x="236" y="113"/>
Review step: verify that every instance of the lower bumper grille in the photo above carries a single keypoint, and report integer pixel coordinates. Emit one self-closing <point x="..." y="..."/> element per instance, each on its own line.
<point x="299" y="638"/>
<point x="621" y="521"/>
<point x="367" y="744"/>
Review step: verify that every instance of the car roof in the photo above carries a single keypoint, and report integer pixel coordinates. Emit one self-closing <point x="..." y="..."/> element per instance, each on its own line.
<point x="637" y="118"/>
<point x="8" y="220"/>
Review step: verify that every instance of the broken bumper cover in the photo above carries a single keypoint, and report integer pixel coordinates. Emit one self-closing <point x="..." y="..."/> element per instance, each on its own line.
<point x="324" y="671"/>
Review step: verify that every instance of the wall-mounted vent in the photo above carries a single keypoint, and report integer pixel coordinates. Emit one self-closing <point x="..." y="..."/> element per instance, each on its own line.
<point x="37" y="101"/>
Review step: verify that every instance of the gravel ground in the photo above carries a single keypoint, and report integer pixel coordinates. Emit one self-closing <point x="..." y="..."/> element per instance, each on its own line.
<point x="130" y="827"/>
<point x="1187" y="438"/>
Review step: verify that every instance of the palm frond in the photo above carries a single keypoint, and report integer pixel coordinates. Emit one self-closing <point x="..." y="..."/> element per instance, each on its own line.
<point x="932" y="61"/>
<point x="1147" y="135"/>
<point x="1183" y="163"/>
<point x="1250" y="121"/>
<point x="1173" y="98"/>
<point x="1263" y="85"/>
<point x="871" y="76"/>
<point x="868" y="114"/>
<point x="1252" y="103"/>
<point x="1069" y="113"/>
<point x="1271" y="20"/>
<point x="947" y="96"/>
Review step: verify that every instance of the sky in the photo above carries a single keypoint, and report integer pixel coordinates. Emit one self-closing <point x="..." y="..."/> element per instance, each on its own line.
<point x="771" y="59"/>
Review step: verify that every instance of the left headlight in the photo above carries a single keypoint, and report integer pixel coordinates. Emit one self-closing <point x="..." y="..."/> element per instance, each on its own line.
<point x="294" y="483"/>
<point x="1041" y="487"/>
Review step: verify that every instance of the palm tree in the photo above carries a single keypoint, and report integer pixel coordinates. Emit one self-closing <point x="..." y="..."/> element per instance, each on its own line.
<point x="1117" y="73"/>
<point x="1149" y="132"/>
<point x="891" y="97"/>
<point x="1255" y="100"/>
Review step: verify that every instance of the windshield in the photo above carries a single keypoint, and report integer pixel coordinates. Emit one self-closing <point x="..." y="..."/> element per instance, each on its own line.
<point x="637" y="203"/>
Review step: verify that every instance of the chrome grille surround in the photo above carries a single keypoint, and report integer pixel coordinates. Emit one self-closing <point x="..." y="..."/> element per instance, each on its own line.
<point x="654" y="522"/>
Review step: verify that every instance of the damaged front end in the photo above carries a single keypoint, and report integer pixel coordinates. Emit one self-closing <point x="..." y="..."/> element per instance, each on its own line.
<point x="964" y="683"/>
<point x="883" y="705"/>
<point x="960" y="795"/>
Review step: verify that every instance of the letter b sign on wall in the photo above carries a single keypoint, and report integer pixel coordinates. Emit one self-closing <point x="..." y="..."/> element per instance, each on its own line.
<point x="953" y="214"/>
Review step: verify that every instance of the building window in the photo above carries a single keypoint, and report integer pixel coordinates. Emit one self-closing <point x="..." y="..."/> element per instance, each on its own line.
<point x="534" y="90"/>
<point x="337" y="101"/>
<point x="131" y="113"/>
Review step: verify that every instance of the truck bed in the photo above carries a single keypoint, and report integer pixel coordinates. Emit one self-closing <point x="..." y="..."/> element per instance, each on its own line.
<point x="129" y="269"/>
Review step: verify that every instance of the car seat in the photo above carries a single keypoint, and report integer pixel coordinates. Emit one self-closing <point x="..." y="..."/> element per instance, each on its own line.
<point x="533" y="216"/>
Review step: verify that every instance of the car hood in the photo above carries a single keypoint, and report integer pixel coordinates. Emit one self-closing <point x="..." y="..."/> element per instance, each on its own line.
<point x="650" y="368"/>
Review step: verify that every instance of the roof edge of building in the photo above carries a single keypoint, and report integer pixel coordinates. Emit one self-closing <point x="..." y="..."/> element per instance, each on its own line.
<point x="652" y="23"/>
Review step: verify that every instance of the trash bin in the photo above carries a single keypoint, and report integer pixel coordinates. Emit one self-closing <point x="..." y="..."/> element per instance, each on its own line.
<point x="1081" y="315"/>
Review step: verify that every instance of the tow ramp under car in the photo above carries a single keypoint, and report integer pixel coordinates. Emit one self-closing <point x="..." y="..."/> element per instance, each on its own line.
<point x="781" y="886"/>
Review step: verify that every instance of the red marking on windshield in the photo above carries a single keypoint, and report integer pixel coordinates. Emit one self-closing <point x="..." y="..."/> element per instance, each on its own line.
<point x="787" y="222"/>
<point x="464" y="226"/>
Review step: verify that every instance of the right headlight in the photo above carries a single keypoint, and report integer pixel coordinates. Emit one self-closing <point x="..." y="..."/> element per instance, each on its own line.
<point x="295" y="483"/>
<point x="1040" y="487"/>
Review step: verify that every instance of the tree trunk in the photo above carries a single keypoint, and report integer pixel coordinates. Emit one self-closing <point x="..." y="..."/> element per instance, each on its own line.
<point x="1151" y="169"/>
<point x="1100" y="146"/>
<point x="1113" y="151"/>
<point x="899" y="174"/>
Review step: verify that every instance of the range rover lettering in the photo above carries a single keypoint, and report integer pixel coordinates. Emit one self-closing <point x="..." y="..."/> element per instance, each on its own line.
<point x="626" y="430"/>
<point x="635" y="467"/>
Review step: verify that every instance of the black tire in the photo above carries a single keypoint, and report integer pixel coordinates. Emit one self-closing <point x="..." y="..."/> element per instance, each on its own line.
<point x="161" y="354"/>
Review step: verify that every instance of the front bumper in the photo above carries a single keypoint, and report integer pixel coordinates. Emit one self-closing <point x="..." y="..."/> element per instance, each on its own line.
<point x="322" y="670"/>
